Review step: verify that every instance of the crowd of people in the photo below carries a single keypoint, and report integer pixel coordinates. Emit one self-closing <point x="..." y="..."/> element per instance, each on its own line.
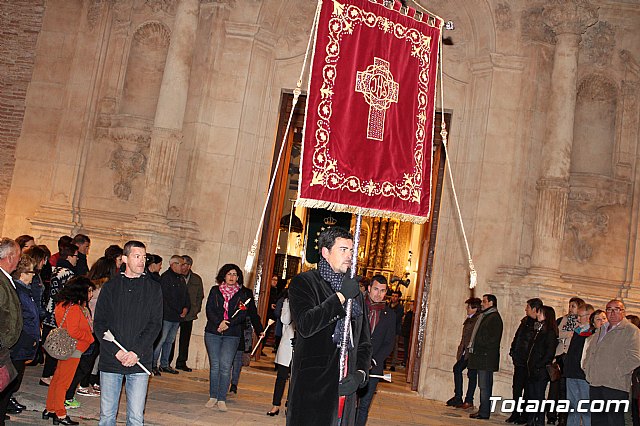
<point x="585" y="355"/>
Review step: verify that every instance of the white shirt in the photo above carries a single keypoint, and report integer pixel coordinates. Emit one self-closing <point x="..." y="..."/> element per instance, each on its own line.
<point x="8" y="276"/>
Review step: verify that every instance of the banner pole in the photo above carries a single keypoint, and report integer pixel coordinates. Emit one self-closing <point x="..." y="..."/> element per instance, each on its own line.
<point x="344" y="342"/>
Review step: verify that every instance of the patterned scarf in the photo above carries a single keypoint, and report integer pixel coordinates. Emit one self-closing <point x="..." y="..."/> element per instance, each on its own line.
<point x="571" y="324"/>
<point x="335" y="280"/>
<point x="374" y="312"/>
<point x="227" y="293"/>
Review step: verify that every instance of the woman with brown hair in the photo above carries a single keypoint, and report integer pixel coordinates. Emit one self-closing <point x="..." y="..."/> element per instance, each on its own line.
<point x="72" y="314"/>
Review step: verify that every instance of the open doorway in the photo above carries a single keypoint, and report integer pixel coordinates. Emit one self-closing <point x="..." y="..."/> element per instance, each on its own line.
<point x="401" y="251"/>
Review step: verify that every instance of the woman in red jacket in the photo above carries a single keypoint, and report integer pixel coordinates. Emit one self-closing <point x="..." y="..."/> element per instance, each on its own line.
<point x="72" y="314"/>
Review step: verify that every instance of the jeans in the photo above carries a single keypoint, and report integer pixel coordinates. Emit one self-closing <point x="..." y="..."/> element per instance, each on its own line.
<point x="535" y="391"/>
<point x="136" y="390"/>
<point x="485" y="383"/>
<point x="169" y="331"/>
<point x="365" y="401"/>
<point x="577" y="389"/>
<point x="221" y="351"/>
<point x="472" y="375"/>
<point x="237" y="368"/>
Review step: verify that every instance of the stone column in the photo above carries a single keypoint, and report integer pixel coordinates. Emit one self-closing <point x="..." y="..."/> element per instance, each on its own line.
<point x="569" y="19"/>
<point x="166" y="134"/>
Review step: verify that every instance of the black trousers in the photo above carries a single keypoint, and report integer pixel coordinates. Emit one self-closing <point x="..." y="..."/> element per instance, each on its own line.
<point x="12" y="388"/>
<point x="281" y="382"/>
<point x="183" y="344"/>
<point x="607" y="394"/>
<point x="50" y="363"/>
<point x="519" y="384"/>
<point x="535" y="391"/>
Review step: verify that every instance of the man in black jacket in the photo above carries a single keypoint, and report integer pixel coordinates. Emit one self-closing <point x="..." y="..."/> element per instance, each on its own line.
<point x="317" y="299"/>
<point x="484" y="352"/>
<point x="519" y="352"/>
<point x="382" y="322"/>
<point x="175" y="306"/>
<point x="130" y="307"/>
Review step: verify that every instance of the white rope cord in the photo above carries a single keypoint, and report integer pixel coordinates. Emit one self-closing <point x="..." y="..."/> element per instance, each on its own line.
<point x="473" y="275"/>
<point x="251" y="255"/>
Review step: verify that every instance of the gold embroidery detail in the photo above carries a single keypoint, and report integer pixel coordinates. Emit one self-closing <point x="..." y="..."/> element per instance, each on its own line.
<point x="379" y="90"/>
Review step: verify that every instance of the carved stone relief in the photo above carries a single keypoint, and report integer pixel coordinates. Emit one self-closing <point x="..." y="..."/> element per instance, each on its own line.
<point x="93" y="12"/>
<point x="599" y="43"/>
<point x="586" y="219"/>
<point x="167" y="6"/>
<point x="534" y="27"/>
<point x="504" y="17"/>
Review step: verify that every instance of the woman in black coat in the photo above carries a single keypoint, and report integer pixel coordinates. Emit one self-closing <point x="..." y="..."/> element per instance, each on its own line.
<point x="541" y="352"/>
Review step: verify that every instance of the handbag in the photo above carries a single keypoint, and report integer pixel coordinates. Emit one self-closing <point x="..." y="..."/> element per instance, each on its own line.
<point x="8" y="372"/>
<point x="553" y="370"/>
<point x="58" y="343"/>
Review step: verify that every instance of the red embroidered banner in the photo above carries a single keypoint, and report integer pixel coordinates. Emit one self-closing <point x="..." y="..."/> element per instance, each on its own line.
<point x="368" y="134"/>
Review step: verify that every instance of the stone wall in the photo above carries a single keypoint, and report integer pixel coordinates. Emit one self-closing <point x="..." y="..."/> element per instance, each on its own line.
<point x="20" y="23"/>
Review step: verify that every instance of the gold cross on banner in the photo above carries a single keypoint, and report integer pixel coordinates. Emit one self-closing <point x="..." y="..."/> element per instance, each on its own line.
<point x="380" y="90"/>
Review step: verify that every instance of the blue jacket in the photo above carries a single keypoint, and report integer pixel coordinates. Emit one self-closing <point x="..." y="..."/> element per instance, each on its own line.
<point x="29" y="339"/>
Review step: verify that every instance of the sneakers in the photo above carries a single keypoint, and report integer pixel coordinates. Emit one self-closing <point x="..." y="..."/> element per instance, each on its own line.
<point x="72" y="403"/>
<point x="211" y="403"/>
<point x="88" y="391"/>
<point x="222" y="406"/>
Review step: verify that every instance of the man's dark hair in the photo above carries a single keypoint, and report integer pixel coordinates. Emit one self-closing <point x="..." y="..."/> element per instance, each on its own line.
<point x="68" y="250"/>
<point x="65" y="239"/>
<point x="535" y="303"/>
<point x="398" y="292"/>
<point x="81" y="239"/>
<point x="131" y="244"/>
<point x="634" y="319"/>
<point x="152" y="259"/>
<point x="474" y="302"/>
<point x="380" y="278"/>
<point x="187" y="259"/>
<point x="113" y="251"/>
<point x="22" y="240"/>
<point x="491" y="298"/>
<point x="328" y="237"/>
<point x="225" y="269"/>
<point x="577" y="300"/>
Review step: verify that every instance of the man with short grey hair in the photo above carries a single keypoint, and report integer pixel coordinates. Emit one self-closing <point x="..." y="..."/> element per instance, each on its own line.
<point x="10" y="308"/>
<point x="609" y="362"/>
<point x="196" y="296"/>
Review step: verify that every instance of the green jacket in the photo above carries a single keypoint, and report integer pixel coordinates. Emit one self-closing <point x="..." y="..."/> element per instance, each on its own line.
<point x="10" y="313"/>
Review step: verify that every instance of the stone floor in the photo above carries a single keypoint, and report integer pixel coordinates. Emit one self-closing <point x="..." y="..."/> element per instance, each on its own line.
<point x="180" y="399"/>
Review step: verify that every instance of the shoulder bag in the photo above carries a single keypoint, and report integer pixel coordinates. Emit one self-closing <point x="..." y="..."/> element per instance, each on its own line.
<point x="58" y="343"/>
<point x="8" y="372"/>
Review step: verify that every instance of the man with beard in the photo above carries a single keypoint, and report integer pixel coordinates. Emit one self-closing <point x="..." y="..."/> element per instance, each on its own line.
<point x="318" y="300"/>
<point x="382" y="322"/>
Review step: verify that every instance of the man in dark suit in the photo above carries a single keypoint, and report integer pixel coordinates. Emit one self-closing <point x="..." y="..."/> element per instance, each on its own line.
<point x="382" y="322"/>
<point x="317" y="299"/>
<point x="484" y="352"/>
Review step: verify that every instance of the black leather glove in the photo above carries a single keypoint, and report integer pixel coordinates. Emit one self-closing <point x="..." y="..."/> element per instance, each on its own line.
<point x="350" y="288"/>
<point x="350" y="384"/>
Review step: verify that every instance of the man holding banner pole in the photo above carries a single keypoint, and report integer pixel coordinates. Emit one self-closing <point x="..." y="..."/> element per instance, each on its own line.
<point x="317" y="300"/>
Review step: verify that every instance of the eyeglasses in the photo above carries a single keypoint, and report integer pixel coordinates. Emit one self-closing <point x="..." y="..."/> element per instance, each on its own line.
<point x="616" y="310"/>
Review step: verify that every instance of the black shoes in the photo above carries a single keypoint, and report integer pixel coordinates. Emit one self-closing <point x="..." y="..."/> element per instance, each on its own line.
<point x="64" y="421"/>
<point x="453" y="402"/>
<point x="169" y="370"/>
<point x="156" y="372"/>
<point x="233" y="389"/>
<point x="478" y="416"/>
<point x="273" y="413"/>
<point x="12" y="408"/>
<point x="184" y="368"/>
<point x="48" y="414"/>
<point x="15" y="403"/>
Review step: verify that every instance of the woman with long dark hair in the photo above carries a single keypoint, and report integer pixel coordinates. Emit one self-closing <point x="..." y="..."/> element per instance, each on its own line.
<point x="72" y="314"/>
<point x="541" y="352"/>
<point x="226" y="312"/>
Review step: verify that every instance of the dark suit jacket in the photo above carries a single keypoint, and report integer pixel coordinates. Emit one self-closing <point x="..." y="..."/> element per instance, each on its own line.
<point x="10" y="313"/>
<point x="313" y="390"/>
<point x="486" y="347"/>
<point x="383" y="340"/>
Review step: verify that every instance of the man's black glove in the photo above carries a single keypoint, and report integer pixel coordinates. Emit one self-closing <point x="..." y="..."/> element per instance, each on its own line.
<point x="350" y="288"/>
<point x="350" y="384"/>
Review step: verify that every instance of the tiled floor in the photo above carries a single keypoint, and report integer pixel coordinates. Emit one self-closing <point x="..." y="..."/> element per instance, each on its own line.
<point x="180" y="399"/>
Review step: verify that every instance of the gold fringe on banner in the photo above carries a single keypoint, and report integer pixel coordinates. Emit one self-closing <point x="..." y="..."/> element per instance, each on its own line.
<point x="337" y="207"/>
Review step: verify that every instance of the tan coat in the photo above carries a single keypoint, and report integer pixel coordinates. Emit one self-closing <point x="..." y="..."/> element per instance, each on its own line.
<point x="611" y="362"/>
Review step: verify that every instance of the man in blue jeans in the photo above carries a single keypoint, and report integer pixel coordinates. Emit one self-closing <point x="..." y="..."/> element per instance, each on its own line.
<point x="175" y="306"/>
<point x="130" y="307"/>
<point x="484" y="352"/>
